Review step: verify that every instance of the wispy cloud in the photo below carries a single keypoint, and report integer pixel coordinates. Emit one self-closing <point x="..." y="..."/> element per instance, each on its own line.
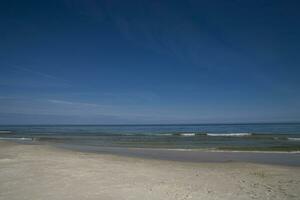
<point x="41" y="74"/>
<point x="55" y="101"/>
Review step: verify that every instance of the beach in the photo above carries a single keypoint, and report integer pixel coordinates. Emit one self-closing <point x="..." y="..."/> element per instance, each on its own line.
<point x="47" y="172"/>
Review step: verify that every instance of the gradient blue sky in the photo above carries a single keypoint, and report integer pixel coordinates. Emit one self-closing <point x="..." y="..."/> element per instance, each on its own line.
<point x="191" y="61"/>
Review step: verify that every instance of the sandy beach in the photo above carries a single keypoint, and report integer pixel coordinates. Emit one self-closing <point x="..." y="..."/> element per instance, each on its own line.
<point x="46" y="172"/>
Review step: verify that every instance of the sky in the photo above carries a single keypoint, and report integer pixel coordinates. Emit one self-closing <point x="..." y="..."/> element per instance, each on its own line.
<point x="149" y="62"/>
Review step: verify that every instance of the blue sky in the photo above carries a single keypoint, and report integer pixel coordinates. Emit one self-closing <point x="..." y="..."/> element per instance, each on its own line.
<point x="111" y="62"/>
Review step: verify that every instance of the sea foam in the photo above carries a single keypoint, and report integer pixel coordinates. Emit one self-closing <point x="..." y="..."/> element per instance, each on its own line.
<point x="294" y="139"/>
<point x="187" y="134"/>
<point x="228" y="134"/>
<point x="5" y="132"/>
<point x="11" y="138"/>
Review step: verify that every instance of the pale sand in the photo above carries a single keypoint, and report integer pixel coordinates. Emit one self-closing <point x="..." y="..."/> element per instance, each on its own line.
<point x="41" y="172"/>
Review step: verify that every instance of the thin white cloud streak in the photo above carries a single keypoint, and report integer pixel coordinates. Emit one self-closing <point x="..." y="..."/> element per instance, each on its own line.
<point x="49" y="76"/>
<point x="26" y="77"/>
<point x="134" y="114"/>
<point x="72" y="108"/>
<point x="55" y="101"/>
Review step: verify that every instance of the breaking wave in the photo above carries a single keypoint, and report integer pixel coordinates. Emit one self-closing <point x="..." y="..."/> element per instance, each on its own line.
<point x="12" y="138"/>
<point x="294" y="139"/>
<point x="188" y="134"/>
<point x="228" y="134"/>
<point x="5" y="132"/>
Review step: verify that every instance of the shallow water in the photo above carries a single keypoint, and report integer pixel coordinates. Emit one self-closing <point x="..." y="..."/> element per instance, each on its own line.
<point x="284" y="136"/>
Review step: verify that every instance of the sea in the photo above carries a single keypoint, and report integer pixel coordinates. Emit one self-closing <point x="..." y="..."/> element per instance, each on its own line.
<point x="254" y="136"/>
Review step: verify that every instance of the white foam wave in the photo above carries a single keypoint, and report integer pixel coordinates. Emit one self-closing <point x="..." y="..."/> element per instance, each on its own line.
<point x="187" y="134"/>
<point x="294" y="139"/>
<point x="5" y="131"/>
<point x="22" y="138"/>
<point x="228" y="134"/>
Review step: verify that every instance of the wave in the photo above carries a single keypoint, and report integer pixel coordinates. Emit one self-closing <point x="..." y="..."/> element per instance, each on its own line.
<point x="187" y="134"/>
<point x="228" y="134"/>
<point x="5" y="132"/>
<point x="294" y="139"/>
<point x="11" y="138"/>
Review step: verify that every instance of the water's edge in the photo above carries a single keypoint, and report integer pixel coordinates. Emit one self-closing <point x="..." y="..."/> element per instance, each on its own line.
<point x="189" y="155"/>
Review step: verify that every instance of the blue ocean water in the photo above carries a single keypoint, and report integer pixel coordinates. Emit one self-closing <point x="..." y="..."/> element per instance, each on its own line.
<point x="161" y="136"/>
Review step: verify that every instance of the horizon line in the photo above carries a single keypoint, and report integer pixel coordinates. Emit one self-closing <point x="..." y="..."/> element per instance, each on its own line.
<point x="155" y="124"/>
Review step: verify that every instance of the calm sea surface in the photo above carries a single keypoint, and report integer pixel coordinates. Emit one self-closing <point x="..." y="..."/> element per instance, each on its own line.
<point x="211" y="136"/>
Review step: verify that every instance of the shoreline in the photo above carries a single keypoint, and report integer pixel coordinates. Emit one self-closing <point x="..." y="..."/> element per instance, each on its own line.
<point x="184" y="155"/>
<point x="227" y="149"/>
<point x="193" y="156"/>
<point x="191" y="149"/>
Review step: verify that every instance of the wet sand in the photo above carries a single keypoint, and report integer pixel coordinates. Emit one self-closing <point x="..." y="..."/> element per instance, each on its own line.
<point x="184" y="155"/>
<point x="46" y="172"/>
